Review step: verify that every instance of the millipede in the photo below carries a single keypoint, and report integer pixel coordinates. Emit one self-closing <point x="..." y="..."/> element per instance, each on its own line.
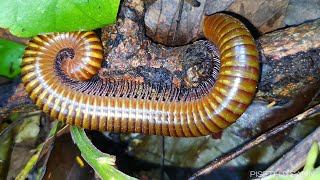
<point x="58" y="71"/>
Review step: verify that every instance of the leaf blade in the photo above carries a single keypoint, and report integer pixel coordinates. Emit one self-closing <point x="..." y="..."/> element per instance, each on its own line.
<point x="10" y="58"/>
<point x="26" y="18"/>
<point x="99" y="161"/>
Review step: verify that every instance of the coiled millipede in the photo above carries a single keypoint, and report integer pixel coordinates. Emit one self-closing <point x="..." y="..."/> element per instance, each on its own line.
<point x="79" y="55"/>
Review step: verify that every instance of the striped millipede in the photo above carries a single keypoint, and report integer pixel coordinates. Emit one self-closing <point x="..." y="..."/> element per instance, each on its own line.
<point x="79" y="55"/>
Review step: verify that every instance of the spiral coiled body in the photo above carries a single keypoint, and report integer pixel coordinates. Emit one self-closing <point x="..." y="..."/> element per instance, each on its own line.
<point x="223" y="105"/>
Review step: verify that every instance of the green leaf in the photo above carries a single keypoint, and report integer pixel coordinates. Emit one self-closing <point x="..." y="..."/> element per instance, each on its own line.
<point x="35" y="158"/>
<point x="311" y="157"/>
<point x="26" y="18"/>
<point x="10" y="58"/>
<point x="99" y="161"/>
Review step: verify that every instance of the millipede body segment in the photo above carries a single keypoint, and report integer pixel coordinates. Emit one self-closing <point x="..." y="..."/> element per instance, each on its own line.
<point x="79" y="56"/>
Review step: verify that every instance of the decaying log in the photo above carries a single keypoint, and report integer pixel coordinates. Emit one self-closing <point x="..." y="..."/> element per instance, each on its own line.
<point x="290" y="60"/>
<point x="14" y="99"/>
<point x="178" y="22"/>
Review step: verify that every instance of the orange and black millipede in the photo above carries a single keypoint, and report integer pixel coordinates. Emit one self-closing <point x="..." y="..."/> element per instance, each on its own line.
<point x="79" y="55"/>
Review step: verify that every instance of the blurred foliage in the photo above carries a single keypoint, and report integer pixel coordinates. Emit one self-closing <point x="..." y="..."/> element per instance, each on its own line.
<point x="10" y="138"/>
<point x="29" y="129"/>
<point x="6" y="142"/>
<point x="10" y="58"/>
<point x="34" y="159"/>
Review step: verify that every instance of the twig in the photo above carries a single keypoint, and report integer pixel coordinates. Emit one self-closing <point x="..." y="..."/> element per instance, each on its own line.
<point x="295" y="158"/>
<point x="223" y="160"/>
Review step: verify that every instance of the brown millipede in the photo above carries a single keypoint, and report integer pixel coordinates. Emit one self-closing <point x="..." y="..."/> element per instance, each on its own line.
<point x="79" y="55"/>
